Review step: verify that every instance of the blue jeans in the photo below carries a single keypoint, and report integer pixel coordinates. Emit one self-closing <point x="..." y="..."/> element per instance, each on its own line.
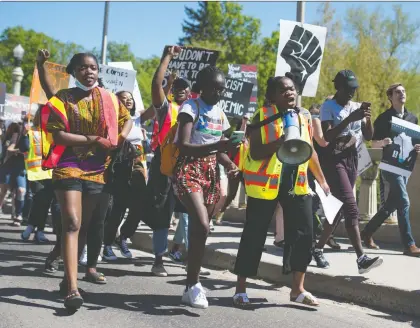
<point x="181" y="233"/>
<point x="397" y="200"/>
<point x="160" y="241"/>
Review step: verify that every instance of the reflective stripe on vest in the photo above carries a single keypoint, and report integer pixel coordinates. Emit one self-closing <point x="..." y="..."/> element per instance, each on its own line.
<point x="33" y="158"/>
<point x="262" y="177"/>
<point x="159" y="133"/>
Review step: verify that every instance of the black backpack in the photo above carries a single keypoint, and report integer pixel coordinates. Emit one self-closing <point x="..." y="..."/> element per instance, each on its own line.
<point x="120" y="169"/>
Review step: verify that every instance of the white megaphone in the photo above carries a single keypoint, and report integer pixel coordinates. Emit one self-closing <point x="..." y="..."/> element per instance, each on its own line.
<point x="294" y="150"/>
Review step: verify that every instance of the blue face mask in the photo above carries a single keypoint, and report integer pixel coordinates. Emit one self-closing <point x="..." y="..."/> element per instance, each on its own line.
<point x="85" y="88"/>
<point x="315" y="116"/>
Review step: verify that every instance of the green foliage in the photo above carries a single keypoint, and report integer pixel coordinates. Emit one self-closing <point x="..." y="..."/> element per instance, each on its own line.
<point x="374" y="46"/>
<point x="31" y="41"/>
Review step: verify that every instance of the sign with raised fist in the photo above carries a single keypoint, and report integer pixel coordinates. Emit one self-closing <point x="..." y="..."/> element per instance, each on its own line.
<point x="301" y="47"/>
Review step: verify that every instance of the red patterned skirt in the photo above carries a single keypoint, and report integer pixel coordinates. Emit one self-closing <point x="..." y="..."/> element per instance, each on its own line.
<point x="198" y="175"/>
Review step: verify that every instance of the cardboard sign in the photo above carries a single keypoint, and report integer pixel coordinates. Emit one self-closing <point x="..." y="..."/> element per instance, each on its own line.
<point x="247" y="73"/>
<point x="300" y="52"/>
<point x="189" y="62"/>
<point x="114" y="79"/>
<point x="364" y="160"/>
<point x="235" y="100"/>
<point x="58" y="77"/>
<point x="400" y="156"/>
<point x="14" y="106"/>
<point x="136" y="91"/>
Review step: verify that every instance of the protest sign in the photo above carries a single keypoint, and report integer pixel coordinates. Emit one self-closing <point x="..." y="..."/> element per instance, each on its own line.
<point x="58" y="77"/>
<point x="136" y="91"/>
<point x="330" y="205"/>
<point x="247" y="73"/>
<point x="300" y="52"/>
<point x="189" y="62"/>
<point x="400" y="156"/>
<point x="114" y="79"/>
<point x="235" y="100"/>
<point x="14" y="106"/>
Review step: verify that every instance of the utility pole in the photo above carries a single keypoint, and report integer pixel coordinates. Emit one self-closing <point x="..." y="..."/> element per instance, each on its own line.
<point x="300" y="17"/>
<point x="105" y="33"/>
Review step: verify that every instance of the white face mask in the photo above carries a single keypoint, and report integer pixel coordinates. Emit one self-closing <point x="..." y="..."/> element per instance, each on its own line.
<point x="85" y="88"/>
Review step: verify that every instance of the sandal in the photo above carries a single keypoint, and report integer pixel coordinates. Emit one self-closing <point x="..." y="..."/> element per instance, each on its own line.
<point x="73" y="301"/>
<point x="305" y="298"/>
<point x="241" y="300"/>
<point x="63" y="289"/>
<point x="95" y="278"/>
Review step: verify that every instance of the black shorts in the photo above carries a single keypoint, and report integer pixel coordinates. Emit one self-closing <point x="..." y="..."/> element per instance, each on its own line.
<point x="83" y="186"/>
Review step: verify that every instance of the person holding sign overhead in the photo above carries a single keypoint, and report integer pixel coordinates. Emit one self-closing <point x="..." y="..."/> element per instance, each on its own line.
<point x="80" y="126"/>
<point x="344" y="122"/>
<point x="165" y="114"/>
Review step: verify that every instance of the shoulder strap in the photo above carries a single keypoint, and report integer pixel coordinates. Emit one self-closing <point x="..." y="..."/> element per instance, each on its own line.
<point x="198" y="111"/>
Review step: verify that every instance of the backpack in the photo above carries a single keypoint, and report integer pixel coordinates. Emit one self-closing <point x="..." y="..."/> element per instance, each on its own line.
<point x="169" y="150"/>
<point x="120" y="168"/>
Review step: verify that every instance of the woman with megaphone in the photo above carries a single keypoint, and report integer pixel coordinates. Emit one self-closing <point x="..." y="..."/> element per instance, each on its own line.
<point x="345" y="123"/>
<point x="268" y="181"/>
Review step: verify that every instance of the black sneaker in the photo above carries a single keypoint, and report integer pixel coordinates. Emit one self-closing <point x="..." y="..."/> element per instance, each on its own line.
<point x="365" y="263"/>
<point x="319" y="258"/>
<point x="122" y="244"/>
<point x="51" y="266"/>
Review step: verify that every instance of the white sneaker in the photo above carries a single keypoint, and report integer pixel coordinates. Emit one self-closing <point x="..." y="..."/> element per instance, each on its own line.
<point x="83" y="257"/>
<point x="195" y="296"/>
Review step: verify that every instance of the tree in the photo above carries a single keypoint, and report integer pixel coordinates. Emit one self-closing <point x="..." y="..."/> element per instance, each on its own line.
<point x="116" y="52"/>
<point x="31" y="41"/>
<point x="223" y="26"/>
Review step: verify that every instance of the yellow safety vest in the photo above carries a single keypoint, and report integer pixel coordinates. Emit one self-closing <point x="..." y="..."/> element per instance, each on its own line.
<point x="33" y="158"/>
<point x="262" y="177"/>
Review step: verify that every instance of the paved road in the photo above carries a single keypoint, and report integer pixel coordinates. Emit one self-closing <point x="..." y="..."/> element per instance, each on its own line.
<point x="134" y="298"/>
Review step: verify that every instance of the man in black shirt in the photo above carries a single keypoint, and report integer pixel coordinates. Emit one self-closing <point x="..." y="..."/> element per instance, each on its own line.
<point x="398" y="197"/>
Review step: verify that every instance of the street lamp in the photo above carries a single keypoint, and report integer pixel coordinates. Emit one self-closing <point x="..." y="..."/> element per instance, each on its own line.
<point x="17" y="73"/>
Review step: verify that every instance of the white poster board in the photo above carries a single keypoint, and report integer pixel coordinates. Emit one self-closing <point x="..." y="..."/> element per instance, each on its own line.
<point x="136" y="91"/>
<point x="364" y="159"/>
<point x="400" y="156"/>
<point x="330" y="205"/>
<point x="300" y="52"/>
<point x="114" y="79"/>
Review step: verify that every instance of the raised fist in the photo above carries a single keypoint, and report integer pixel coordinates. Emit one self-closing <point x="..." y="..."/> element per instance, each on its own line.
<point x="42" y="56"/>
<point x="303" y="53"/>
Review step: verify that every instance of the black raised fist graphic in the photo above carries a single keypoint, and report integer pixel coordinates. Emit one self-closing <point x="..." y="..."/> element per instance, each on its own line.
<point x="303" y="53"/>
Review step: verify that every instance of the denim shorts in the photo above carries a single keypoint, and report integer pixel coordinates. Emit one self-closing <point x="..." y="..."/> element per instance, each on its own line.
<point x="84" y="186"/>
<point x="13" y="178"/>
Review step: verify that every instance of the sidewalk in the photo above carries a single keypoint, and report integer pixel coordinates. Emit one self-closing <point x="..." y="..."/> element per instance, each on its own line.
<point x="395" y="286"/>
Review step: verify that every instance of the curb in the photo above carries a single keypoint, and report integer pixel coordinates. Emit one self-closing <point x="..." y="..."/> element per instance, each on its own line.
<point x="349" y="289"/>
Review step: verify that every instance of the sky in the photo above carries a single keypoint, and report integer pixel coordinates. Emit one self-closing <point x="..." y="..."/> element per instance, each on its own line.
<point x="148" y="26"/>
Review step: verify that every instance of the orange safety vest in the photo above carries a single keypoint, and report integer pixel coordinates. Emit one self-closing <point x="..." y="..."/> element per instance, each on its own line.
<point x="159" y="133"/>
<point x="51" y="152"/>
<point x="262" y="177"/>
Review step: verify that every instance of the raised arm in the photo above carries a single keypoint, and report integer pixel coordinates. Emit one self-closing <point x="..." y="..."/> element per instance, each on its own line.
<point x="44" y="79"/>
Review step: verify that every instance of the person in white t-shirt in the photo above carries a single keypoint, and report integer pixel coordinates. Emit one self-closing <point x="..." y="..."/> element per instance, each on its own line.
<point x="197" y="180"/>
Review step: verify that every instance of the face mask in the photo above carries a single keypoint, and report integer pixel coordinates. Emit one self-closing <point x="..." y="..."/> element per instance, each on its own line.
<point x="85" y="88"/>
<point x="315" y="116"/>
